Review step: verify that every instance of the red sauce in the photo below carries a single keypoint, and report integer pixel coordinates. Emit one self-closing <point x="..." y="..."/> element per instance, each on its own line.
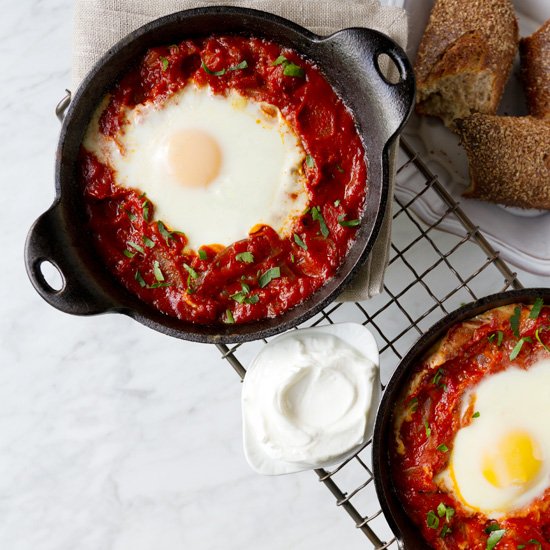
<point x="437" y="401"/>
<point x="336" y="181"/>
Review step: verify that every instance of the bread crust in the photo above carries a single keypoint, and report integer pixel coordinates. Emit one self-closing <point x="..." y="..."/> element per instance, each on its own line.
<point x="469" y="44"/>
<point x="509" y="159"/>
<point x="535" y="70"/>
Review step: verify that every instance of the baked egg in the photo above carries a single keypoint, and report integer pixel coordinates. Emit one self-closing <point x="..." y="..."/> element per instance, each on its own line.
<point x="214" y="166"/>
<point x="500" y="460"/>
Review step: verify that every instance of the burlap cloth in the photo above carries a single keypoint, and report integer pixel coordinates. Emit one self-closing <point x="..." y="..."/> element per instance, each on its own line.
<point x="100" y="23"/>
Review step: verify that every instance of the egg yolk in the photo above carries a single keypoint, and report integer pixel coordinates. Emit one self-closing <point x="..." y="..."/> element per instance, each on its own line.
<point x="194" y="158"/>
<point x="514" y="461"/>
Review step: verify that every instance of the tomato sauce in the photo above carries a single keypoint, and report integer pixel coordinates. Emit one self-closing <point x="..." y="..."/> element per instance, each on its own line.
<point x="432" y="419"/>
<point x="218" y="284"/>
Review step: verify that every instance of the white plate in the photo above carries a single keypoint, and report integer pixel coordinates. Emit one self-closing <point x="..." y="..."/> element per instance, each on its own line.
<point x="520" y="235"/>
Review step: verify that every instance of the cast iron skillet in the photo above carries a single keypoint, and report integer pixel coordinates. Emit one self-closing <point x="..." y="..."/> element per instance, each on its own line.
<point x="349" y="60"/>
<point x="404" y="529"/>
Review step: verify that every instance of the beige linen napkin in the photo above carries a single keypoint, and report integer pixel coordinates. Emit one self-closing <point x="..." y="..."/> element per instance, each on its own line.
<point x="101" y="23"/>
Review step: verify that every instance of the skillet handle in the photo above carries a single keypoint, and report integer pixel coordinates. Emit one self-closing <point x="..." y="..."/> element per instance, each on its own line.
<point x="63" y="105"/>
<point x="48" y="242"/>
<point x="363" y="50"/>
<point x="399" y="96"/>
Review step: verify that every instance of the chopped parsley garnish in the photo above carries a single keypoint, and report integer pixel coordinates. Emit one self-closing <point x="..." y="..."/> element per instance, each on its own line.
<point x="531" y="541"/>
<point x="130" y="215"/>
<point x="476" y="415"/>
<point x="537" y="336"/>
<point x="145" y="207"/>
<point x="129" y="254"/>
<point x="310" y="161"/>
<point x="432" y="521"/>
<point x="157" y="272"/>
<point x="268" y="276"/>
<point x="139" y="279"/>
<point x="238" y="67"/>
<point x="514" y="321"/>
<point x="317" y="216"/>
<point x="243" y="297"/>
<point x="164" y="62"/>
<point x="293" y="70"/>
<point x="292" y="257"/>
<point x="447" y="511"/>
<point x="214" y="73"/>
<point x="494" y="538"/>
<point x="148" y="242"/>
<point x="436" y="381"/>
<point x="492" y="527"/>
<point x="413" y="404"/>
<point x="158" y="275"/>
<point x="299" y="241"/>
<point x="289" y="68"/>
<point x="337" y="202"/>
<point x="245" y="257"/>
<point x="279" y="61"/>
<point x="203" y="255"/>
<point x="518" y="346"/>
<point x="427" y="428"/>
<point x="536" y="309"/>
<point x="443" y="448"/>
<point x="136" y="246"/>
<point x="348" y="223"/>
<point x="192" y="273"/>
<point x="164" y="232"/>
<point x="229" y="319"/>
<point x="239" y="297"/>
<point x="499" y="335"/>
<point x="340" y="169"/>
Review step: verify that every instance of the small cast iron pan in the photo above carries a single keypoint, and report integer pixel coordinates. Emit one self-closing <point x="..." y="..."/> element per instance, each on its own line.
<point x="349" y="60"/>
<point x="405" y="530"/>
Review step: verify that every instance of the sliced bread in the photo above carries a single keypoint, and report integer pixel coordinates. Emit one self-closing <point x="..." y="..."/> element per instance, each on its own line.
<point x="465" y="58"/>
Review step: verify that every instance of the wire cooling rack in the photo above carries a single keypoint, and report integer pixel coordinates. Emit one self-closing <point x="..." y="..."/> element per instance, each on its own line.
<point x="430" y="273"/>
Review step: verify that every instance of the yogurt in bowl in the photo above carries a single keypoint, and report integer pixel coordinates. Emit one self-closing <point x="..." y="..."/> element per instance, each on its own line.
<point x="309" y="398"/>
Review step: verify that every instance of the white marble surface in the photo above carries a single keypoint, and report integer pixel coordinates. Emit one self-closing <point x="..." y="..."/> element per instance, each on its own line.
<point x="113" y="436"/>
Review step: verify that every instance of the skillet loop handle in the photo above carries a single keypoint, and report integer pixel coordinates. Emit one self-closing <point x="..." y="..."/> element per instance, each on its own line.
<point x="401" y="89"/>
<point x="47" y="242"/>
<point x="360" y="52"/>
<point x="63" y="105"/>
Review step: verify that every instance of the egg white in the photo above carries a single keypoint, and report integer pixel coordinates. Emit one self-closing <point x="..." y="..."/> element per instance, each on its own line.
<point x="260" y="180"/>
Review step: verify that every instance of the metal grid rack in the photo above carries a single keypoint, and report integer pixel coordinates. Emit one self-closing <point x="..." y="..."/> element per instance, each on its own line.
<point x="425" y="280"/>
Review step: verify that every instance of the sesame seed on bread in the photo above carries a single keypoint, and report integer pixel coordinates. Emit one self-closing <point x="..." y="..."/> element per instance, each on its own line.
<point x="509" y="159"/>
<point x="465" y="58"/>
<point x="535" y="70"/>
